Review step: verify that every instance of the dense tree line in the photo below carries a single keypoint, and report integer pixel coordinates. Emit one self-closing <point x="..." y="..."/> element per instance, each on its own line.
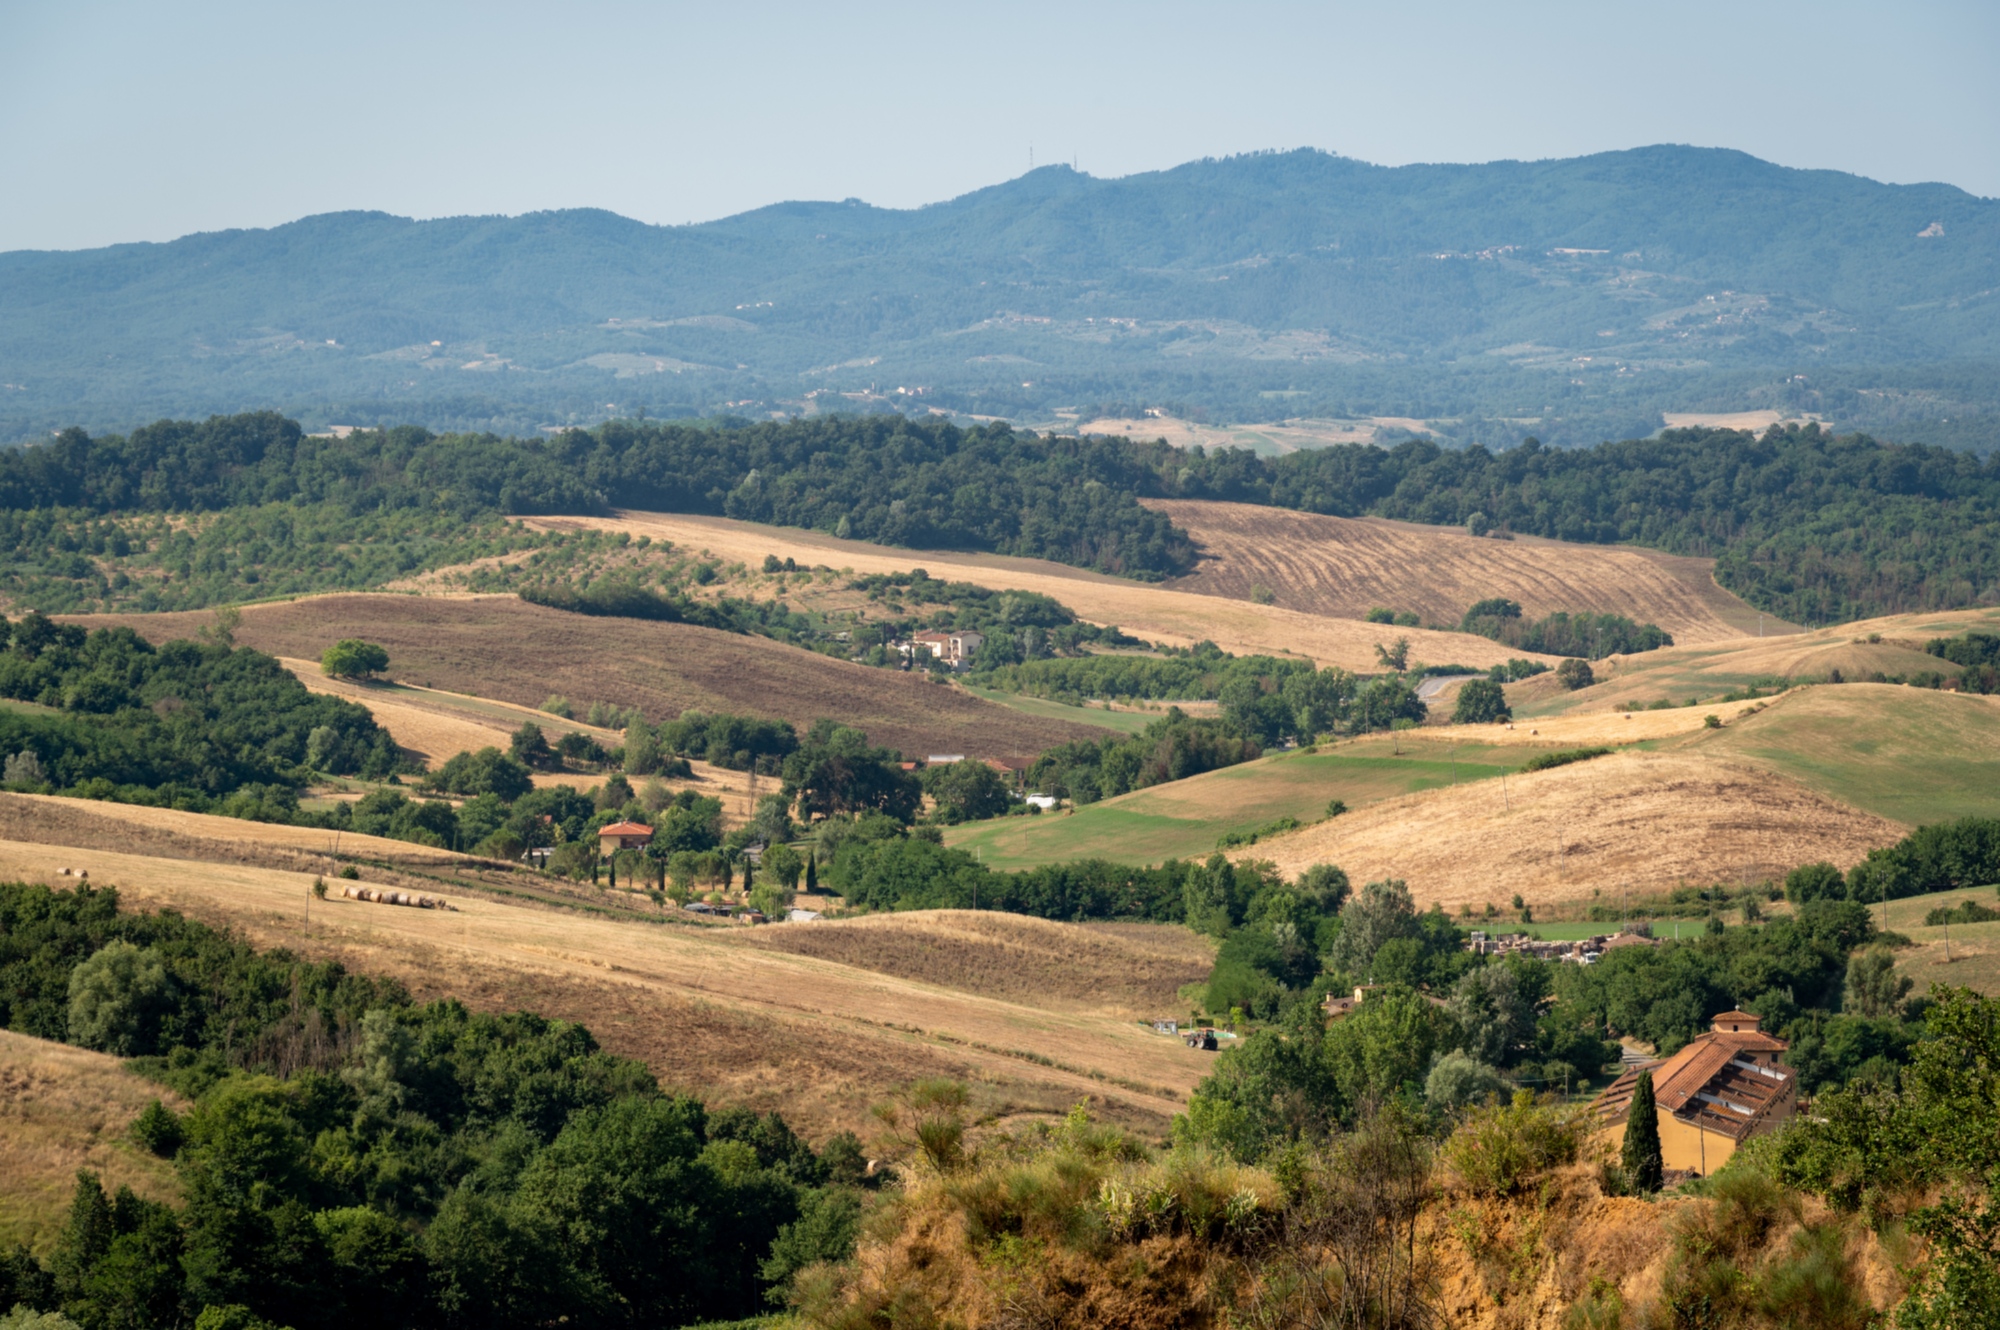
<point x="1942" y="857"/>
<point x="1585" y="636"/>
<point x="1805" y="524"/>
<point x="1977" y="655"/>
<point x="1171" y="748"/>
<point x="907" y="482"/>
<point x="354" y="1157"/>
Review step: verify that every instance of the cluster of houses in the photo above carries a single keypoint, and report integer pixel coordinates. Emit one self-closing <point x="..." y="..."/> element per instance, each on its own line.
<point x="1581" y="951"/>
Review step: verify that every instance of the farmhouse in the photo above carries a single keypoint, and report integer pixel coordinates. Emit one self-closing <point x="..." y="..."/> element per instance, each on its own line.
<point x="1723" y="1088"/>
<point x="624" y="836"/>
<point x="952" y="648"/>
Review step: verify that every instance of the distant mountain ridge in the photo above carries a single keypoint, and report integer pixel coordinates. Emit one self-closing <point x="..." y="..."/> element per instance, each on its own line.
<point x="1589" y="289"/>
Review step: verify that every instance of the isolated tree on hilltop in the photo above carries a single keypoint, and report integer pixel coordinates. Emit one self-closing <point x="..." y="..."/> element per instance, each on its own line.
<point x="1641" y="1155"/>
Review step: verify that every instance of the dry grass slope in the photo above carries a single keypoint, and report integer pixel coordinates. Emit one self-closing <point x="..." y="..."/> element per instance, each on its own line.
<point x="705" y="1008"/>
<point x="1134" y="971"/>
<point x="503" y="648"/>
<point x="1157" y="614"/>
<point x="170" y="834"/>
<point x="1647" y="821"/>
<point x="64" y="1109"/>
<point x="1345" y="566"/>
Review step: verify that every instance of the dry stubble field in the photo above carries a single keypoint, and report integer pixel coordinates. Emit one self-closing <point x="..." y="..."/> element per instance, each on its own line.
<point x="1345" y="566"/>
<point x="503" y="648"/>
<point x="1647" y="821"/>
<point x="720" y="1011"/>
<point x="64" y="1109"/>
<point x="1155" y="613"/>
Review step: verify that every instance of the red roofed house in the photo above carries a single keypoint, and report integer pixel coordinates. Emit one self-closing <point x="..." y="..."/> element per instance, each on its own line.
<point x="624" y="836"/>
<point x="1716" y="1093"/>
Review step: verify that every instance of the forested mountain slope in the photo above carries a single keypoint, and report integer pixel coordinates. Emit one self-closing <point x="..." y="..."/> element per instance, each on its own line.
<point x="1589" y="292"/>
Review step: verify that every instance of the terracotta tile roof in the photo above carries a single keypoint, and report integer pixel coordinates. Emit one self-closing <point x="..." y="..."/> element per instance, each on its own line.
<point x="625" y="829"/>
<point x="1710" y="1083"/>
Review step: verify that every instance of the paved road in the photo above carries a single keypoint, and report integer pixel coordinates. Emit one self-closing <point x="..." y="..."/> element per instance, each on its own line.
<point x="1434" y="685"/>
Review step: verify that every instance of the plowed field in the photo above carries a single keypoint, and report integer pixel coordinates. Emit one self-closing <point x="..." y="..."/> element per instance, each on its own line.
<point x="503" y="648"/>
<point x="1344" y="567"/>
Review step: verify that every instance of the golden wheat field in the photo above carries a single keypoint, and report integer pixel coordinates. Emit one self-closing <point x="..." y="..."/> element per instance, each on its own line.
<point x="710" y="1009"/>
<point x="1157" y="614"/>
<point x="1644" y="821"/>
<point x="63" y="1109"/>
<point x="1345" y="566"/>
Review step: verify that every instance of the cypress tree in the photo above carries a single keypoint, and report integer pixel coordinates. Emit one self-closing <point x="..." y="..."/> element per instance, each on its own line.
<point x="1641" y="1156"/>
<point x="812" y="872"/>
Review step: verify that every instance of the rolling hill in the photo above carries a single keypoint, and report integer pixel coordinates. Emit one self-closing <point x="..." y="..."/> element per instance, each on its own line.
<point x="1169" y="616"/>
<point x="823" y="1037"/>
<point x="502" y="648"/>
<point x="1260" y="286"/>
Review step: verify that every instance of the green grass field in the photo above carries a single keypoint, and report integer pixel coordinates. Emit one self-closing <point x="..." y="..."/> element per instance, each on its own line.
<point x="1124" y="722"/>
<point x="1974" y="951"/>
<point x="1910" y="754"/>
<point x="1186" y="818"/>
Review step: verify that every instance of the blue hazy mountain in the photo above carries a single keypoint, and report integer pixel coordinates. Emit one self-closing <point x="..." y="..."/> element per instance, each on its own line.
<point x="1595" y="291"/>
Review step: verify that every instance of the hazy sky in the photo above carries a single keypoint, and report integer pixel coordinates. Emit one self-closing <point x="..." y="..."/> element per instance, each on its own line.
<point x="148" y="121"/>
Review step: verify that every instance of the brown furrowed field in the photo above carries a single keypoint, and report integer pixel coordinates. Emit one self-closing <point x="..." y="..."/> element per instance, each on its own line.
<point x="1344" y="567"/>
<point x="1157" y="614"/>
<point x="503" y="648"/>
<point x="1644" y="821"/>
<point x="707" y="1008"/>
<point x="1135" y="971"/>
<point x="64" y="1109"/>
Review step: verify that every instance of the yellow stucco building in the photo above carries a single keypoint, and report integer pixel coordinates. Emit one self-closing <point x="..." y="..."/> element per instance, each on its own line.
<point x="1720" y="1090"/>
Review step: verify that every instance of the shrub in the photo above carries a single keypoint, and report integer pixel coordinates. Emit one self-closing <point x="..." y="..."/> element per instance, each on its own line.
<point x="1814" y="882"/>
<point x="1500" y="1149"/>
<point x="1561" y="758"/>
<point x="158" y="1129"/>
<point x="558" y="705"/>
<point x="1458" y="1081"/>
<point x="1574" y="673"/>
